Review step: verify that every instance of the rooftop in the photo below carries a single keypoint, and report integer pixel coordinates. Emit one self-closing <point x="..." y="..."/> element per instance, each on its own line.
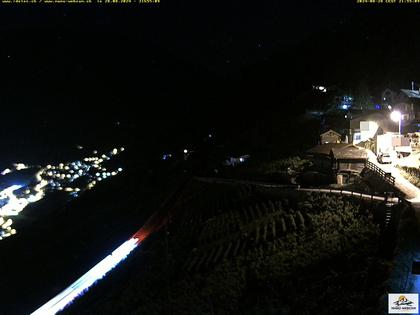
<point x="411" y="93"/>
<point x="331" y="131"/>
<point x="340" y="151"/>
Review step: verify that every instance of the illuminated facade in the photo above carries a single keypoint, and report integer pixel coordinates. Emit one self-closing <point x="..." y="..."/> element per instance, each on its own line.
<point x="330" y="136"/>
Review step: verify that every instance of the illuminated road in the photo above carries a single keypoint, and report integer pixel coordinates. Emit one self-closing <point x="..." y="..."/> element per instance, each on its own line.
<point x="153" y="224"/>
<point x="77" y="288"/>
<point x="81" y="285"/>
<point x="412" y="192"/>
<point x="22" y="185"/>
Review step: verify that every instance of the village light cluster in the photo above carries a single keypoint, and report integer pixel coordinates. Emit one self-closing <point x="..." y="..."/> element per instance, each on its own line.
<point x="73" y="177"/>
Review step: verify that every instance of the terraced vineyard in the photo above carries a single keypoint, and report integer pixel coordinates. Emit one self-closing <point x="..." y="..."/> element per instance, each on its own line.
<point x="412" y="174"/>
<point x="239" y="249"/>
<point x="236" y="232"/>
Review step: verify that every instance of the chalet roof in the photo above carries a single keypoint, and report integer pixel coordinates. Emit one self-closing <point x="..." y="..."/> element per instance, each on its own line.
<point x="411" y="93"/>
<point x="376" y="116"/>
<point x="325" y="148"/>
<point x="331" y="131"/>
<point x="340" y="151"/>
<point x="381" y="118"/>
<point x="349" y="152"/>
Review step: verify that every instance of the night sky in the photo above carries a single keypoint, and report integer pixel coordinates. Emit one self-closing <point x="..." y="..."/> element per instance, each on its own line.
<point x="180" y="66"/>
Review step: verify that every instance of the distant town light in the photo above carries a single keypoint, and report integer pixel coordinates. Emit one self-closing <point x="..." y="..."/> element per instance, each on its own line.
<point x="47" y="179"/>
<point x="20" y="166"/>
<point x="6" y="171"/>
<point x="185" y="151"/>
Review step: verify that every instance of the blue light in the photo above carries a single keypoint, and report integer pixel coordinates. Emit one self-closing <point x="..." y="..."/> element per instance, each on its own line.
<point x="345" y="106"/>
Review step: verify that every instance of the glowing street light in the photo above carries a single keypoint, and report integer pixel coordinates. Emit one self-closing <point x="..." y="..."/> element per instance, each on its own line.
<point x="396" y="117"/>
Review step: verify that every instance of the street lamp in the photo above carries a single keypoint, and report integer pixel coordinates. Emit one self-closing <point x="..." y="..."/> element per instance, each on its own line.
<point x="396" y="117"/>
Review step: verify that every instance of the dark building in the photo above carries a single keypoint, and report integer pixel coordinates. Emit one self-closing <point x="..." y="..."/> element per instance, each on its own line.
<point x="407" y="101"/>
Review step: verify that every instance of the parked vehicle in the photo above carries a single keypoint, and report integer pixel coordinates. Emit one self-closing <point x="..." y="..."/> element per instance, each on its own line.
<point x="384" y="158"/>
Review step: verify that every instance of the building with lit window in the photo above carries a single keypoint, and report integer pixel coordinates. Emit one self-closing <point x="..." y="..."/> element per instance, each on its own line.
<point x="344" y="102"/>
<point x="407" y="102"/>
<point x="330" y="136"/>
<point x="365" y="127"/>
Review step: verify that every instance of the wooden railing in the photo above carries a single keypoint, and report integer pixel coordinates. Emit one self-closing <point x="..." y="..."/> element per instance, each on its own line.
<point x="390" y="198"/>
<point x="380" y="172"/>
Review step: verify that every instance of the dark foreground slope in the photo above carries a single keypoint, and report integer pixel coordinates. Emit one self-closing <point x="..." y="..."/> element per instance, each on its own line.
<point x="240" y="249"/>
